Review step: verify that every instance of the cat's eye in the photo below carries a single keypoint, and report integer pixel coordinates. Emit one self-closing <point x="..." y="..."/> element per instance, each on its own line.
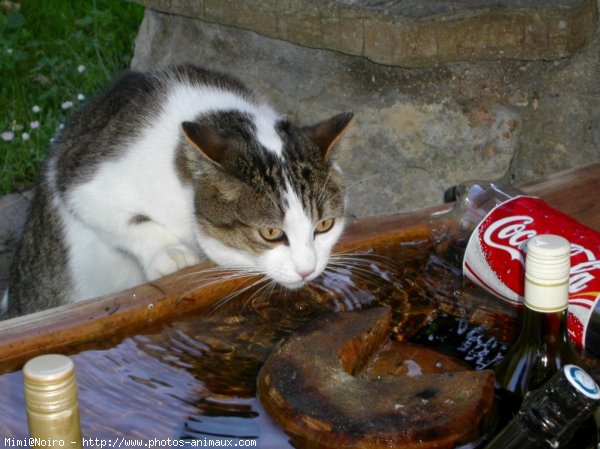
<point x="324" y="225"/>
<point x="272" y="234"/>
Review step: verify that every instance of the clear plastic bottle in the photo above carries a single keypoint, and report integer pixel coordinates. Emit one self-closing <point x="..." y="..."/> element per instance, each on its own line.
<point x="51" y="402"/>
<point x="485" y="234"/>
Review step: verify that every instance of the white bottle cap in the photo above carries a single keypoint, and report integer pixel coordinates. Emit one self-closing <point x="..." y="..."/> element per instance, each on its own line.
<point x="547" y="268"/>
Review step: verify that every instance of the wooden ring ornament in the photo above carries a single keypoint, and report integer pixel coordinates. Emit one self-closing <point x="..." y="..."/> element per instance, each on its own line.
<point x="340" y="382"/>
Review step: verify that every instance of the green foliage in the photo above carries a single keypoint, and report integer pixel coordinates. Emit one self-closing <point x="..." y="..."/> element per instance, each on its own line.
<point x="54" y="54"/>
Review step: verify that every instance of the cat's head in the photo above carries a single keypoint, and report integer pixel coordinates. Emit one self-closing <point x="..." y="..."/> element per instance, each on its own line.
<point x="269" y="197"/>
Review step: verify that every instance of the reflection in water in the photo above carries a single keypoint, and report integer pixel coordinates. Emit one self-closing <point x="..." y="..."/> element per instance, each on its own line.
<point x="195" y="378"/>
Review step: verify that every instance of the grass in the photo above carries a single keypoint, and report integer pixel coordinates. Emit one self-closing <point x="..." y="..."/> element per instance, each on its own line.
<point x="53" y="55"/>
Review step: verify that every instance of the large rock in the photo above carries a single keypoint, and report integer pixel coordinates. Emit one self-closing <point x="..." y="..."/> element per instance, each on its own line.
<point x="417" y="131"/>
<point x="409" y="33"/>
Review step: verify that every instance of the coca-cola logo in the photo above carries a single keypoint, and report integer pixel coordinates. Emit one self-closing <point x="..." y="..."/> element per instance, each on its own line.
<point x="510" y="234"/>
<point x="580" y="271"/>
<point x="497" y="260"/>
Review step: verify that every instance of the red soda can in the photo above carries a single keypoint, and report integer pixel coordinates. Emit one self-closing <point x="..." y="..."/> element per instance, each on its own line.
<point x="494" y="259"/>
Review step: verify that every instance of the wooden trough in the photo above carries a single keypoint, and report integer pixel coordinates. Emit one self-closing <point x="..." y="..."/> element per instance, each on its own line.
<point x="207" y="387"/>
<point x="573" y="191"/>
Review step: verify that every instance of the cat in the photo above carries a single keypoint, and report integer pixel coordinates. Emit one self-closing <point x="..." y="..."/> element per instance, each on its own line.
<point x="170" y="167"/>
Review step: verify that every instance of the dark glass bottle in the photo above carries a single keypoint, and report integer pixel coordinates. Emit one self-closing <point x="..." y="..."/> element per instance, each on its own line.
<point x="540" y="350"/>
<point x="542" y="347"/>
<point x="550" y="415"/>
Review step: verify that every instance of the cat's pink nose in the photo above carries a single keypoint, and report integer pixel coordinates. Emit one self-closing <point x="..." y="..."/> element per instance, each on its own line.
<point x="306" y="272"/>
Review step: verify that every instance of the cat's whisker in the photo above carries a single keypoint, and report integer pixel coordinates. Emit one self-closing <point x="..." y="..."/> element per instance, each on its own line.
<point x="217" y="272"/>
<point x="352" y="267"/>
<point x="321" y="193"/>
<point x="269" y="194"/>
<point x="359" y="259"/>
<point x="366" y="274"/>
<point x="250" y="299"/>
<point x="368" y="268"/>
<point x="360" y="252"/>
<point x="365" y="258"/>
<point x="213" y="271"/>
<point x="343" y="290"/>
<point x="222" y="276"/>
<point x="365" y="278"/>
<point x="252" y="282"/>
<point x="351" y="185"/>
<point x="371" y="266"/>
<point x="215" y="275"/>
<point x="262" y="292"/>
<point x="352" y="277"/>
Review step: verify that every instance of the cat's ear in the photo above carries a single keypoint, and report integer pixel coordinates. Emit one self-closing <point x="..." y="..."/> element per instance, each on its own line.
<point x="326" y="133"/>
<point x="210" y="144"/>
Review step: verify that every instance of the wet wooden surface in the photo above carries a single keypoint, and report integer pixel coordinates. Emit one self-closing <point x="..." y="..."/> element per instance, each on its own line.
<point x="573" y="192"/>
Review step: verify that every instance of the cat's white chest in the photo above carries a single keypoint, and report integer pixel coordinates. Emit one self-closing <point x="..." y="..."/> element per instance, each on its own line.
<point x="132" y="222"/>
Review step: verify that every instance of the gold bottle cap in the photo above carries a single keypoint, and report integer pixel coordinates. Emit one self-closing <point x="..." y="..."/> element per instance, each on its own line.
<point x="547" y="267"/>
<point x="49" y="383"/>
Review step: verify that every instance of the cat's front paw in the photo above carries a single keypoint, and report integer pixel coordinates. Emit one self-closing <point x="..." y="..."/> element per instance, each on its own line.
<point x="171" y="259"/>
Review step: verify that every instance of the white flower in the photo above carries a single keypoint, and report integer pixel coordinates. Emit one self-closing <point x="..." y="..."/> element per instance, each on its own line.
<point x="61" y="126"/>
<point x="7" y="136"/>
<point x="25" y="136"/>
<point x="81" y="68"/>
<point x="36" y="109"/>
<point x="80" y="97"/>
<point x="35" y="124"/>
<point x="9" y="51"/>
<point x="67" y="105"/>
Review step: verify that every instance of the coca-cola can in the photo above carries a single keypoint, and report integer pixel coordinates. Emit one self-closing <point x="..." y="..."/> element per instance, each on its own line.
<point x="495" y="260"/>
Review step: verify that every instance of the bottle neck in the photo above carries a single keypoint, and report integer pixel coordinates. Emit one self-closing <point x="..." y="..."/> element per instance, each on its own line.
<point x="544" y="326"/>
<point x="550" y="415"/>
<point x="543" y="291"/>
<point x="541" y="348"/>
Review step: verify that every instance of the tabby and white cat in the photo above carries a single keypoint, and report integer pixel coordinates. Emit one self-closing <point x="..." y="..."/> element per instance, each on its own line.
<point x="166" y="168"/>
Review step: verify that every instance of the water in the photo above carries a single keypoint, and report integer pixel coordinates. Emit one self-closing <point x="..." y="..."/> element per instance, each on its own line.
<point x="194" y="378"/>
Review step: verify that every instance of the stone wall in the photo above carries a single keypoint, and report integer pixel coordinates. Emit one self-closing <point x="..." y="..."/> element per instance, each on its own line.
<point x="417" y="130"/>
<point x="408" y="33"/>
